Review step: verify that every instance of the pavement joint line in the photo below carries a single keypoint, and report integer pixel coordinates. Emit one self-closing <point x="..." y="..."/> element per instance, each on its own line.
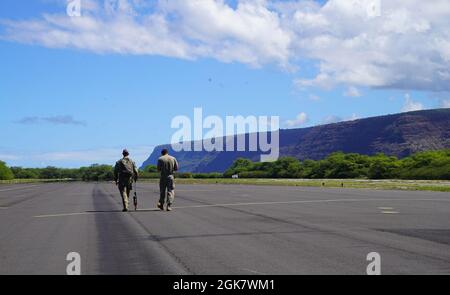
<point x="3" y="208"/>
<point x="253" y="204"/>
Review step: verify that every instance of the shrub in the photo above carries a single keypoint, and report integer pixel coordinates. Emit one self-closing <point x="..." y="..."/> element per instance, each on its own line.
<point x="5" y="172"/>
<point x="208" y="175"/>
<point x="183" y="175"/>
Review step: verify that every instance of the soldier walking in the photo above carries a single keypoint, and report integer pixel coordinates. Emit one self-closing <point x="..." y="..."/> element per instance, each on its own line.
<point x="125" y="172"/>
<point x="167" y="165"/>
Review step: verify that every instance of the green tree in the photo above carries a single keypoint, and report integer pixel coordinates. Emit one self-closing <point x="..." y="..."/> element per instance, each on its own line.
<point x="239" y="165"/>
<point x="383" y="167"/>
<point x="426" y="165"/>
<point x="286" y="167"/>
<point x="150" y="169"/>
<point x="25" y="173"/>
<point x="308" y="168"/>
<point x="97" y="172"/>
<point x="50" y="172"/>
<point x="5" y="172"/>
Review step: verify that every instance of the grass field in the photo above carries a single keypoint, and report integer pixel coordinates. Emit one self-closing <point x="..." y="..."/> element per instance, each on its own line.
<point x="392" y="184"/>
<point x="427" y="185"/>
<point x="22" y="181"/>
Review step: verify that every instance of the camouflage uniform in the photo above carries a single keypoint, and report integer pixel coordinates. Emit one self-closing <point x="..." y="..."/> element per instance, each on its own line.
<point x="125" y="181"/>
<point x="167" y="165"/>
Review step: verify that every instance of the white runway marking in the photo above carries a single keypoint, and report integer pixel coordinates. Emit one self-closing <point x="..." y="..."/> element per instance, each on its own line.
<point x="388" y="210"/>
<point x="18" y="188"/>
<point x="256" y="204"/>
<point x="157" y="191"/>
<point x="64" y="214"/>
<point x="196" y="190"/>
<point x="254" y="271"/>
<point x="306" y="202"/>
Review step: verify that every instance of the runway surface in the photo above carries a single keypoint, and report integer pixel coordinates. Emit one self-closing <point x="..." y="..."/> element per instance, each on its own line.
<point x="223" y="229"/>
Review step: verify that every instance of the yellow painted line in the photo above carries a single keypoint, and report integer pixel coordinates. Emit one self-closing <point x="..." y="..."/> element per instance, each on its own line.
<point x="389" y="212"/>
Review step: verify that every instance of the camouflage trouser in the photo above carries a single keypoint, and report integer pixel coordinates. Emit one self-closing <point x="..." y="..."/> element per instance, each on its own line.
<point x="166" y="188"/>
<point x="125" y="188"/>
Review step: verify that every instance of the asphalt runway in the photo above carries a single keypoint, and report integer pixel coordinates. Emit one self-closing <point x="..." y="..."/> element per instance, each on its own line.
<point x="223" y="229"/>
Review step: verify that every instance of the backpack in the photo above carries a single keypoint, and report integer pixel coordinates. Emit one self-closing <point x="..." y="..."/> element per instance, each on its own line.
<point x="127" y="168"/>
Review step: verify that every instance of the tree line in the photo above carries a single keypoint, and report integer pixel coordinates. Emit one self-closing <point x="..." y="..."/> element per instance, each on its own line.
<point x="150" y="171"/>
<point x="92" y="173"/>
<point x="424" y="165"/>
<point x="430" y="165"/>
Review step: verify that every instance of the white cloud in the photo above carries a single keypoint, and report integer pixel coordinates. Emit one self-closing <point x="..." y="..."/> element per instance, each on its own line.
<point x="352" y="92"/>
<point x="91" y="156"/>
<point x="381" y="51"/>
<point x="336" y="119"/>
<point x="331" y="119"/>
<point x="301" y="119"/>
<point x="314" y="97"/>
<point x="411" y="105"/>
<point x="352" y="46"/>
<point x="8" y="157"/>
<point x="103" y="156"/>
<point x="249" y="34"/>
<point x="353" y="117"/>
<point x="76" y="158"/>
<point x="445" y="103"/>
<point x="54" y="120"/>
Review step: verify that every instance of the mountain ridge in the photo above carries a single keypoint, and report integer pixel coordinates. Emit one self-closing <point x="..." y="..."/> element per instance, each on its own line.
<point x="398" y="135"/>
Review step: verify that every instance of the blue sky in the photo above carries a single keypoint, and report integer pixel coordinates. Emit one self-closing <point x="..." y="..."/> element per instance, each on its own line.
<point x="71" y="96"/>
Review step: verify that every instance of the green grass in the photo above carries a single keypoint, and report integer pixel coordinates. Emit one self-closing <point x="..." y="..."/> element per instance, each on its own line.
<point x="22" y="181"/>
<point x="421" y="185"/>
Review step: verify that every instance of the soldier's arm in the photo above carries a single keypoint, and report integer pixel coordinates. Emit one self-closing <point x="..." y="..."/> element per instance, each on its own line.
<point x="116" y="172"/>
<point x="158" y="167"/>
<point x="136" y="172"/>
<point x="175" y="166"/>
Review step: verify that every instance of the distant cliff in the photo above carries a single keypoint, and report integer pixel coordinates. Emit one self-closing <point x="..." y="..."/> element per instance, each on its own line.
<point x="398" y="135"/>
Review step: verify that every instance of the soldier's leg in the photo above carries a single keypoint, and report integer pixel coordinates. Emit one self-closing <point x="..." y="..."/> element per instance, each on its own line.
<point x="124" y="194"/>
<point x="129" y="188"/>
<point x="162" y="191"/>
<point x="170" y="190"/>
